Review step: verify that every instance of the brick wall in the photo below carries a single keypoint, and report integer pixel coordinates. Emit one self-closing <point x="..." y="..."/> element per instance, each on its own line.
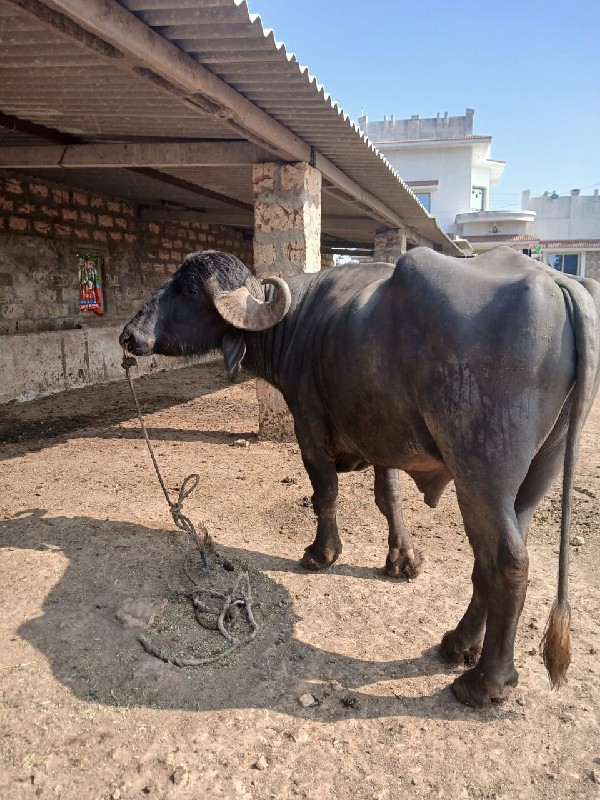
<point x="43" y="225"/>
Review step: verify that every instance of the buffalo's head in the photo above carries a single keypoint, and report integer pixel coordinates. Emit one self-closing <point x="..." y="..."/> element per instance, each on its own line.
<point x="207" y="304"/>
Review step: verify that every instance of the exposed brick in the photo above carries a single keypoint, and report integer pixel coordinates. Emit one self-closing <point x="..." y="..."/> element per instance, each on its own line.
<point x="63" y="230"/>
<point x="49" y="211"/>
<point x="87" y="217"/>
<point x="105" y="221"/>
<point x="114" y="206"/>
<point x="98" y="202"/>
<point x="6" y="204"/>
<point x="130" y="237"/>
<point x="163" y="255"/>
<point x="154" y="228"/>
<point x="18" y="224"/>
<point x="26" y="209"/>
<point x="60" y="196"/>
<point x="42" y="227"/>
<point x="121" y="223"/>
<point x="116" y="236"/>
<point x="38" y="189"/>
<point x="81" y="199"/>
<point x="69" y="214"/>
<point x="128" y="209"/>
<point x="81" y="233"/>
<point x="13" y="186"/>
<point x="99" y="236"/>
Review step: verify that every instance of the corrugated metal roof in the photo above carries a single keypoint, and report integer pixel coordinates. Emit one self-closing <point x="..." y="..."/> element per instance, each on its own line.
<point x="67" y="71"/>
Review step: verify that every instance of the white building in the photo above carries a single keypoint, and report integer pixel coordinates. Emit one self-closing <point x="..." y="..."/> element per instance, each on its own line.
<point x="451" y="171"/>
<point x="448" y="167"/>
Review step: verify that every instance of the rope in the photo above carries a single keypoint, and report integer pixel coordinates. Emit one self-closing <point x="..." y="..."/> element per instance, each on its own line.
<point x="205" y="543"/>
<point x="230" y="603"/>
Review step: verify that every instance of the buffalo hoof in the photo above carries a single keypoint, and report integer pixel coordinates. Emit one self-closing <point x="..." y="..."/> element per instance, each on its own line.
<point x="452" y="652"/>
<point x="315" y="560"/>
<point x="473" y="689"/>
<point x="403" y="563"/>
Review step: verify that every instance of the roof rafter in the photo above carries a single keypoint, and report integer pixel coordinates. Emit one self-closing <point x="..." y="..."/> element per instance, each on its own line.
<point x="136" y="48"/>
<point x="133" y="154"/>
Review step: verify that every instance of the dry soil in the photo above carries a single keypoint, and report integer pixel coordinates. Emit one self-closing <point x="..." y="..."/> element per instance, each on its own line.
<point x="85" y="535"/>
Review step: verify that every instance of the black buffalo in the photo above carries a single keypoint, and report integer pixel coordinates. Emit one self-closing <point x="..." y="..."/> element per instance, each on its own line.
<point x="481" y="371"/>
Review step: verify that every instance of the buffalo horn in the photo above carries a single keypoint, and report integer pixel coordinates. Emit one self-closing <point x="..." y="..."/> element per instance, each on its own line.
<point x="244" y="311"/>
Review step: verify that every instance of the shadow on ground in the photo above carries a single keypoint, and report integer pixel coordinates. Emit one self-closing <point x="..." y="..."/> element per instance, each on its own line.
<point x="39" y="423"/>
<point x="101" y="661"/>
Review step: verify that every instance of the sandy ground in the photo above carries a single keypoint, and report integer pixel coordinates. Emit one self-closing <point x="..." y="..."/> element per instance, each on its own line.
<point x="87" y="713"/>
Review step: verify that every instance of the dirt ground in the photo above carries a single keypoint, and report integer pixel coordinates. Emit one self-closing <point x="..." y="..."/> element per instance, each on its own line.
<point x="87" y="713"/>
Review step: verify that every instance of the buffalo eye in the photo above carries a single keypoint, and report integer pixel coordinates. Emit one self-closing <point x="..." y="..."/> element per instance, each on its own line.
<point x="192" y="286"/>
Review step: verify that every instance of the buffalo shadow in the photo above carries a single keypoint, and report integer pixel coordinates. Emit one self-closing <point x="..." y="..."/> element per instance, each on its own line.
<point x="101" y="661"/>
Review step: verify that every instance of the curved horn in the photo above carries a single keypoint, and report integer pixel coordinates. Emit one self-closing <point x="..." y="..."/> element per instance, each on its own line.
<point x="244" y="311"/>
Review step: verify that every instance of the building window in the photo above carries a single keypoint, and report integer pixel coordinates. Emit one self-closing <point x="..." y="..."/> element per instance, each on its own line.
<point x="477" y="198"/>
<point x="564" y="262"/>
<point x="425" y="199"/>
<point x="90" y="282"/>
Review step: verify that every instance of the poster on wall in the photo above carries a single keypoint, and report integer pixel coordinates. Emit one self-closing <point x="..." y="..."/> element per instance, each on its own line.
<point x="90" y="279"/>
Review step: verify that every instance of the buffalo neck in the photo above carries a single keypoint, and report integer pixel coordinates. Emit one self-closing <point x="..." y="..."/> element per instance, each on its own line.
<point x="263" y="352"/>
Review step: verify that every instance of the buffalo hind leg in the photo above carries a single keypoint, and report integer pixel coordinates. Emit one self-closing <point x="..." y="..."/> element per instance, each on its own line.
<point x="327" y="545"/>
<point x="500" y="576"/>
<point x="403" y="560"/>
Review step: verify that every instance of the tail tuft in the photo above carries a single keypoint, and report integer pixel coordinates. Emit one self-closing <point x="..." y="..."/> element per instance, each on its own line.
<point x="556" y="644"/>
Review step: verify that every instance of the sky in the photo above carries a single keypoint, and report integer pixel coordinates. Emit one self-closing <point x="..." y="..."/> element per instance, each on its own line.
<point x="529" y="68"/>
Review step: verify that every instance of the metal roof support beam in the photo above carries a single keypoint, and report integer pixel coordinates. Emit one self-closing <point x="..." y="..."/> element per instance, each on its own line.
<point x="169" y="214"/>
<point x="136" y="154"/>
<point x="355" y="192"/>
<point x="151" y="57"/>
<point x="154" y="58"/>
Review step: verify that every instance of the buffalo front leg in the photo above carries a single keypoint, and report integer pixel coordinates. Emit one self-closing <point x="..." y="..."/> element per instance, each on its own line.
<point x="327" y="545"/>
<point x="403" y="560"/>
<point x="463" y="645"/>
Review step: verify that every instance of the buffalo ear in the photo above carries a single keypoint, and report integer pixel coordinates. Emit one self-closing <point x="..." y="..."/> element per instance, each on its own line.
<point x="234" y="350"/>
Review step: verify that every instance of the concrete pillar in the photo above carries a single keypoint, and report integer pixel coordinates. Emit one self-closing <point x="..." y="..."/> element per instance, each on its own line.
<point x="287" y="241"/>
<point x="390" y="245"/>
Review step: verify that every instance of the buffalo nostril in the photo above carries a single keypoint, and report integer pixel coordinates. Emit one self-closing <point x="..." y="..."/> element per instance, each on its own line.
<point x="125" y="338"/>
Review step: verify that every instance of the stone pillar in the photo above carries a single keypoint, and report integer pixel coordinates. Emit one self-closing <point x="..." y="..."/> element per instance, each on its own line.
<point x="287" y="219"/>
<point x="390" y="245"/>
<point x="287" y="241"/>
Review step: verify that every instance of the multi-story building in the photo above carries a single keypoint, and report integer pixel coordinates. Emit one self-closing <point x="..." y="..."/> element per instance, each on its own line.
<point x="448" y="167"/>
<point x="450" y="170"/>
